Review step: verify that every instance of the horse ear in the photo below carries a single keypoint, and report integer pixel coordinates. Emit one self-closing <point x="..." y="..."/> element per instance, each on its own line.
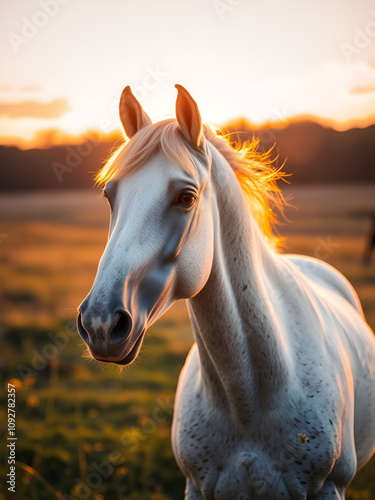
<point x="188" y="116"/>
<point x="132" y="116"/>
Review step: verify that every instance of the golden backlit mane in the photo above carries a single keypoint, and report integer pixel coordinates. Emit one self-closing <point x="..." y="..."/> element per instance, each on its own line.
<point x="254" y="170"/>
<point x="257" y="176"/>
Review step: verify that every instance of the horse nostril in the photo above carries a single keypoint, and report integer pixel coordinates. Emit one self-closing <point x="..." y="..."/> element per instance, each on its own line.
<point x="81" y="330"/>
<point x="121" y="330"/>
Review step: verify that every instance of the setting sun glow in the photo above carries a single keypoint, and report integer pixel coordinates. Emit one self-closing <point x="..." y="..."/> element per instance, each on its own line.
<point x="65" y="63"/>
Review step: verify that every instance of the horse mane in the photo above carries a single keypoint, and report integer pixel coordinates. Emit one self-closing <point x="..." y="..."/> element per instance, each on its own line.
<point x="254" y="170"/>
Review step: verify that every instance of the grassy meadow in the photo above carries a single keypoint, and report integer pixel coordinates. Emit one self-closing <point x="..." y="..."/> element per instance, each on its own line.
<point x="89" y="431"/>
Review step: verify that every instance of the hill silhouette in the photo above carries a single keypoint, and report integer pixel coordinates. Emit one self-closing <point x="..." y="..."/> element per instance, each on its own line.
<point x="55" y="168"/>
<point x="313" y="154"/>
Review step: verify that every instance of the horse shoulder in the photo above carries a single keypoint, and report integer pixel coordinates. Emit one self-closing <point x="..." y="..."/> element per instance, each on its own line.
<point x="359" y="343"/>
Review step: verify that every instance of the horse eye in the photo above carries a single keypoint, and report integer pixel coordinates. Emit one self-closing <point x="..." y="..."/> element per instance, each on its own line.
<point x="186" y="199"/>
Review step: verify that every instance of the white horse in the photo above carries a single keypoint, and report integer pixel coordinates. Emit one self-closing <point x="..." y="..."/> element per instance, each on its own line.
<point x="282" y="347"/>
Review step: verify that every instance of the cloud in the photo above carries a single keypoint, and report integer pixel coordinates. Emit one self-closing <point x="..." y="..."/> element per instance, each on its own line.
<point x="25" y="88"/>
<point x="31" y="88"/>
<point x="362" y="90"/>
<point x="34" y="109"/>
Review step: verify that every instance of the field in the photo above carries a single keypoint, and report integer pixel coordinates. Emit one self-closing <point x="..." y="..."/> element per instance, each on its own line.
<point x="89" y="431"/>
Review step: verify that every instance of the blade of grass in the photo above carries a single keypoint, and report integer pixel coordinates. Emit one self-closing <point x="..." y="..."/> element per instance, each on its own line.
<point x="39" y="477"/>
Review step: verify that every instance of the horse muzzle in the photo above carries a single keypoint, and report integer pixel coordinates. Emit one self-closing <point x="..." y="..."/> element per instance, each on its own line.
<point x="111" y="341"/>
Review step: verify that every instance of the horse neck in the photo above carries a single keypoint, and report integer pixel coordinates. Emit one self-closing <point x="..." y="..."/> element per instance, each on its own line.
<point x="241" y="348"/>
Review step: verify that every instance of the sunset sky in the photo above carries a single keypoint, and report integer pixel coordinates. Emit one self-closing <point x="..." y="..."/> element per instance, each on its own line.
<point x="65" y="62"/>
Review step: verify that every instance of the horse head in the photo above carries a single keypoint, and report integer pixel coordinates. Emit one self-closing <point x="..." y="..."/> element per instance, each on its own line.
<point x="160" y="243"/>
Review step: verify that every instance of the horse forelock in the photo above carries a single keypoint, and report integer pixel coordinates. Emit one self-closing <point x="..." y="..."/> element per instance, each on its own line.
<point x="254" y="170"/>
<point x="162" y="137"/>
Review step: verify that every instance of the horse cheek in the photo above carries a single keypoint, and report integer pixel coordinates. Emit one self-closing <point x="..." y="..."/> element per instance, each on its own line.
<point x="194" y="265"/>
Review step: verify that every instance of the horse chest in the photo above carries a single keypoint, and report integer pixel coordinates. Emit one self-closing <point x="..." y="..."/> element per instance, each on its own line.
<point x="207" y="449"/>
<point x="225" y="460"/>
